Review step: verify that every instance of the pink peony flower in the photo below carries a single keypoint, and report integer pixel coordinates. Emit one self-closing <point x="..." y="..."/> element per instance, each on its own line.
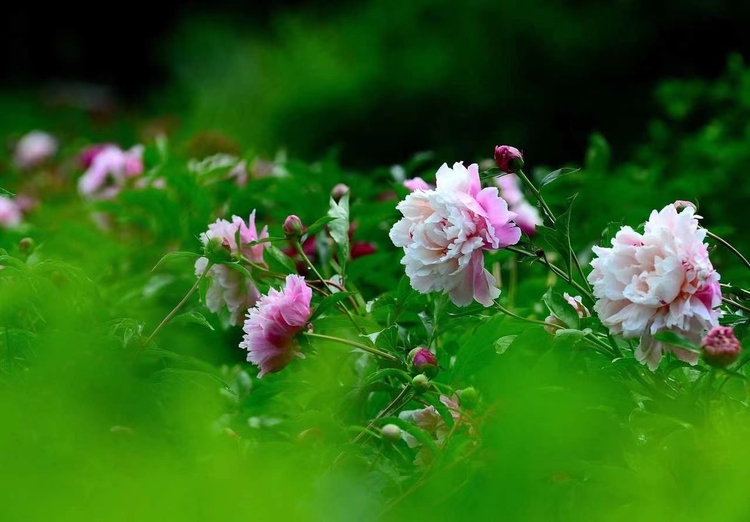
<point x="109" y="169"/>
<point x="229" y="287"/>
<point x="34" y="148"/>
<point x="417" y="184"/>
<point x="445" y="231"/>
<point x="10" y="213"/>
<point x="429" y="420"/>
<point x="661" y="280"/>
<point x="527" y="215"/>
<point x="272" y="326"/>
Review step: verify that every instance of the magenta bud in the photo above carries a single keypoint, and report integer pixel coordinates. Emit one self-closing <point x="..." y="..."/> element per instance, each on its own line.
<point x="721" y="347"/>
<point x="423" y="361"/>
<point x="339" y="191"/>
<point x="508" y="159"/>
<point x="390" y="432"/>
<point x="292" y="227"/>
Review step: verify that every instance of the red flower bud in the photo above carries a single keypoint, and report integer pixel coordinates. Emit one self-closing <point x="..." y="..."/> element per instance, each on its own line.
<point x="292" y="227"/>
<point x="720" y="346"/>
<point x="508" y="159"/>
<point x="423" y="361"/>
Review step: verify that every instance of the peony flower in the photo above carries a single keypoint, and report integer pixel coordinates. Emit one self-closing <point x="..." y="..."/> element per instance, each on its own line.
<point x="721" y="347"/>
<point x="445" y="231"/>
<point x="508" y="159"/>
<point x="527" y="215"/>
<point x="424" y="361"/>
<point x="229" y="287"/>
<point x="273" y="324"/>
<point x="10" y="213"/>
<point x="417" y="184"/>
<point x="661" y="280"/>
<point x="34" y="148"/>
<point x="109" y="169"/>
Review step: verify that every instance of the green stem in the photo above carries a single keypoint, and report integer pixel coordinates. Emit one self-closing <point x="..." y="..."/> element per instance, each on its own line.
<point x="735" y="304"/>
<point x="179" y="305"/>
<point x="301" y="252"/>
<point x="557" y="271"/>
<point x="725" y="243"/>
<point x="538" y="196"/>
<point x="355" y="344"/>
<point x="385" y="411"/>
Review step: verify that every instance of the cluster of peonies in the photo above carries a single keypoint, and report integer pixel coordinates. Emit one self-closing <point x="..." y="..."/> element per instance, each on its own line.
<point x="444" y="232"/>
<point x="230" y="288"/>
<point x="527" y="215"/>
<point x="273" y="324"/>
<point x="108" y="168"/>
<point x="658" y="281"/>
<point x="33" y="149"/>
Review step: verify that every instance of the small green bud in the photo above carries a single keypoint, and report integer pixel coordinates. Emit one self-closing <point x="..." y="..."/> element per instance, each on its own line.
<point x="420" y="382"/>
<point x="217" y="251"/>
<point x="468" y="397"/>
<point x="390" y="432"/>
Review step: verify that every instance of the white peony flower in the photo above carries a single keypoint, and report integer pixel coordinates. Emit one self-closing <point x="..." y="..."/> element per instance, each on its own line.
<point x="445" y="231"/>
<point x="661" y="280"/>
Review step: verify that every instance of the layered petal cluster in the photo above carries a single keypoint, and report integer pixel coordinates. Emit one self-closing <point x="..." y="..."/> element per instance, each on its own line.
<point x="444" y="232"/>
<point x="230" y="288"/>
<point x="660" y="280"/>
<point x="527" y="215"/>
<point x="34" y="148"/>
<point x="109" y="168"/>
<point x="273" y="324"/>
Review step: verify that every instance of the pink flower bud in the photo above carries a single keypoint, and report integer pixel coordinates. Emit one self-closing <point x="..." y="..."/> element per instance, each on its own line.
<point x="720" y="346"/>
<point x="680" y="204"/>
<point x="423" y="361"/>
<point x="550" y="323"/>
<point x="338" y="191"/>
<point x="33" y="149"/>
<point x="391" y="432"/>
<point x="292" y="227"/>
<point x="508" y="159"/>
<point x="577" y="303"/>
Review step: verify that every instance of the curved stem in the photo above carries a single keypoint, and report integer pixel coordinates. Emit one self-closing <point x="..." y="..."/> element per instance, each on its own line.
<point x="538" y="196"/>
<point x="726" y="244"/>
<point x="355" y="344"/>
<point x="301" y="252"/>
<point x="557" y="271"/>
<point x="179" y="305"/>
<point x="735" y="304"/>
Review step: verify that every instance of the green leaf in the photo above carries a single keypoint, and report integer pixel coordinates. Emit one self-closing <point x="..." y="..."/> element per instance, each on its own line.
<point x="192" y="318"/>
<point x="339" y="227"/>
<point x="174" y="256"/>
<point x="490" y="173"/>
<point x="555" y="174"/>
<point x="278" y="260"/>
<point x="502" y="344"/>
<point x="316" y="227"/>
<point x="328" y="302"/>
<point x="561" y="309"/>
<point x="678" y="341"/>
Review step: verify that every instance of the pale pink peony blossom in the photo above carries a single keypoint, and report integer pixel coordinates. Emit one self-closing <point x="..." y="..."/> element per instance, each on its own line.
<point x="271" y="327"/>
<point x="661" y="280"/>
<point x="34" y="148"/>
<point x="229" y="287"/>
<point x="445" y="231"/>
<point x="527" y="215"/>
<point x="429" y="420"/>
<point x="109" y="169"/>
<point x="417" y="184"/>
<point x="10" y="213"/>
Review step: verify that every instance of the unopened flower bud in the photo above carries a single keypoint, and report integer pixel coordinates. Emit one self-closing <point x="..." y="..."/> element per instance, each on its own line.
<point x="508" y="159"/>
<point x="423" y="361"/>
<point x="390" y="432"/>
<point x="550" y="323"/>
<point x="216" y="250"/>
<point x="681" y="204"/>
<point x="26" y="245"/>
<point x="420" y="382"/>
<point x="720" y="346"/>
<point x="468" y="397"/>
<point x="292" y="227"/>
<point x="339" y="191"/>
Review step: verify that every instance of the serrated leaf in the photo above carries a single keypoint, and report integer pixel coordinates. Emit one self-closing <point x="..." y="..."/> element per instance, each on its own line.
<point x="276" y="259"/>
<point x="329" y="302"/>
<point x="174" y="256"/>
<point x="192" y="317"/>
<point x="502" y="344"/>
<point x="678" y="341"/>
<point x="556" y="174"/>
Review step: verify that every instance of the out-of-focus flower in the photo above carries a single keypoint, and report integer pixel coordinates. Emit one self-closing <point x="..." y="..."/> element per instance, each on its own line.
<point x="34" y="148"/>
<point x="508" y="159"/>
<point x="444" y="232"/>
<point x="429" y="420"/>
<point x="109" y="170"/>
<point x="273" y="324"/>
<point x="338" y="191"/>
<point x="10" y="213"/>
<point x="721" y="347"/>
<point x="661" y="280"/>
<point x="229" y="287"/>
<point x="527" y="215"/>
<point x="577" y="303"/>
<point x="417" y="184"/>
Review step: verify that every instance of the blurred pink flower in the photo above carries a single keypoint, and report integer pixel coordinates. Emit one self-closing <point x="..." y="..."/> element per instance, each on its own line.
<point x="445" y="231"/>
<point x="661" y="280"/>
<point x="229" y="287"/>
<point x="527" y="215"/>
<point x="109" y="169"/>
<point x="429" y="420"/>
<point x="721" y="347"/>
<point x="417" y="184"/>
<point x="10" y="213"/>
<point x="273" y="324"/>
<point x="34" y="148"/>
